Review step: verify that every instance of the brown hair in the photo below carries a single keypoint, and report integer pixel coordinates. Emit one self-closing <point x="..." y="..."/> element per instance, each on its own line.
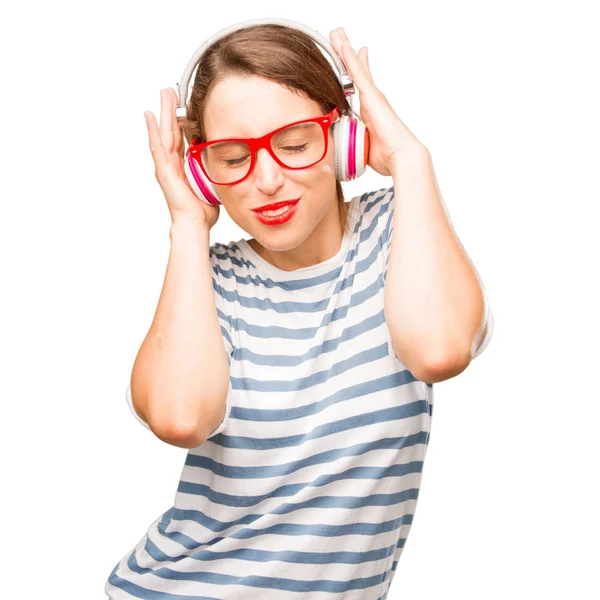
<point x="276" y="52"/>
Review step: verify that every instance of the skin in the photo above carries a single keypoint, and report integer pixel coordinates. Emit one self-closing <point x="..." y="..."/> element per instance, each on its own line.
<point x="236" y="108"/>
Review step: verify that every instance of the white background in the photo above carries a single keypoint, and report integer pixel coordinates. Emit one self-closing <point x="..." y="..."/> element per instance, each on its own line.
<point x="504" y="95"/>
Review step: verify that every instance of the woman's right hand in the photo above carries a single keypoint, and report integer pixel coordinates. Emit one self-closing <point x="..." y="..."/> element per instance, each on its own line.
<point x="166" y="145"/>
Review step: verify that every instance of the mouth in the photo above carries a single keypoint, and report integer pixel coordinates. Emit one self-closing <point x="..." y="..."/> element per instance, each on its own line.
<point x="276" y="206"/>
<point x="287" y="210"/>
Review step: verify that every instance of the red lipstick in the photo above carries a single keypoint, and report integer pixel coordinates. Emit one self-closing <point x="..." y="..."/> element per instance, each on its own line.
<point x="276" y="205"/>
<point x="277" y="219"/>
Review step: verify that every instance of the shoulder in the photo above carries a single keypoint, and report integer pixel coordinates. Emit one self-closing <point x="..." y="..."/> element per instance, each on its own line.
<point x="375" y="207"/>
<point x="377" y="197"/>
<point x="225" y="255"/>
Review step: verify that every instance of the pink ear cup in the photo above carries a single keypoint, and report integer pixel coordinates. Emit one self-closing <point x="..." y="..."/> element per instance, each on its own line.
<point x="203" y="188"/>
<point x="352" y="150"/>
<point x="350" y="138"/>
<point x="361" y="152"/>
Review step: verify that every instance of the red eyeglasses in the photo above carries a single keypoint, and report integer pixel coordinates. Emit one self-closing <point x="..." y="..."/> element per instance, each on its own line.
<point x="298" y="145"/>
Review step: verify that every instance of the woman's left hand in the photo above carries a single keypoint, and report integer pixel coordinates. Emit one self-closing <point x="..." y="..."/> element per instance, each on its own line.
<point x="390" y="139"/>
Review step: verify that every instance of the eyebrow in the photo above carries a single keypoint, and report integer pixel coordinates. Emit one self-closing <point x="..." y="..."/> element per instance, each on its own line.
<point x="301" y="126"/>
<point x="298" y="126"/>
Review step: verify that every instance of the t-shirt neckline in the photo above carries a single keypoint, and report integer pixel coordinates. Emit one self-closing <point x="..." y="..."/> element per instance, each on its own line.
<point x="311" y="270"/>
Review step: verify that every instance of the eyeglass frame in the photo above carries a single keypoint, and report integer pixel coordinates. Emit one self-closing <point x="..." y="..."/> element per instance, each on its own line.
<point x="255" y="144"/>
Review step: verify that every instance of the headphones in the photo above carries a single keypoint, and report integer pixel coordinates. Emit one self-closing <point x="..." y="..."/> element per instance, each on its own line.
<point x="350" y="135"/>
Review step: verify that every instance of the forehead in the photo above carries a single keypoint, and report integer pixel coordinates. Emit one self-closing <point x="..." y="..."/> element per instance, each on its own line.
<point x="251" y="106"/>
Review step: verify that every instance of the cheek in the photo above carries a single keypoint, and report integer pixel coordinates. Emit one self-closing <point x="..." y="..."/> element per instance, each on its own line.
<point x="325" y="167"/>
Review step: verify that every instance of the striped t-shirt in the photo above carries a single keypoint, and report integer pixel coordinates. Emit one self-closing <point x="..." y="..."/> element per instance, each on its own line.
<point x="308" y="488"/>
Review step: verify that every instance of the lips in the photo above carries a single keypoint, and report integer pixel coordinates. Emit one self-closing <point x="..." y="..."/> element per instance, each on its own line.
<point x="276" y="205"/>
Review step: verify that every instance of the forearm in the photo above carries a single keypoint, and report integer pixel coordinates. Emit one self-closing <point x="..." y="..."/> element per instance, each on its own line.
<point x="434" y="303"/>
<point x="181" y="374"/>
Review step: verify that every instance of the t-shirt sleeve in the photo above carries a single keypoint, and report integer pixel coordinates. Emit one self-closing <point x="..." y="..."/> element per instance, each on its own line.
<point x="381" y="204"/>
<point x="221" y="296"/>
<point x="484" y="335"/>
<point x="130" y="404"/>
<point x="377" y="211"/>
<point x="387" y="225"/>
<point x="223" y="299"/>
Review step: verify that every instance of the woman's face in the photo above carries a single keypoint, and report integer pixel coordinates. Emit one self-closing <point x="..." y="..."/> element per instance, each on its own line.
<point x="252" y="106"/>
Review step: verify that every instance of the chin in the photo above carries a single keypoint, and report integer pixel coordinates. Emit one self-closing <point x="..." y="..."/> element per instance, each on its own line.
<point x="288" y="242"/>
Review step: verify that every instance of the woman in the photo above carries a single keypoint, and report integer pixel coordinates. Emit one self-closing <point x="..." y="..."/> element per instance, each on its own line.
<point x="307" y="435"/>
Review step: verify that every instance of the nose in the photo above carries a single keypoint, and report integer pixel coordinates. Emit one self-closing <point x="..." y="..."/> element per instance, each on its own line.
<point x="268" y="174"/>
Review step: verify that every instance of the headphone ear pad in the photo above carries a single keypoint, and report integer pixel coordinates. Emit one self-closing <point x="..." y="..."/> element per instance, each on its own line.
<point x="351" y="140"/>
<point x="204" y="189"/>
<point x="361" y="148"/>
<point x="338" y="160"/>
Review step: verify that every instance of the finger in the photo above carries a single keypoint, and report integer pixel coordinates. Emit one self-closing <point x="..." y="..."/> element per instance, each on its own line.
<point x="364" y="56"/>
<point x="353" y="62"/>
<point x="166" y="119"/>
<point x="336" y="41"/>
<point x="358" y="72"/>
<point x="155" y="142"/>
